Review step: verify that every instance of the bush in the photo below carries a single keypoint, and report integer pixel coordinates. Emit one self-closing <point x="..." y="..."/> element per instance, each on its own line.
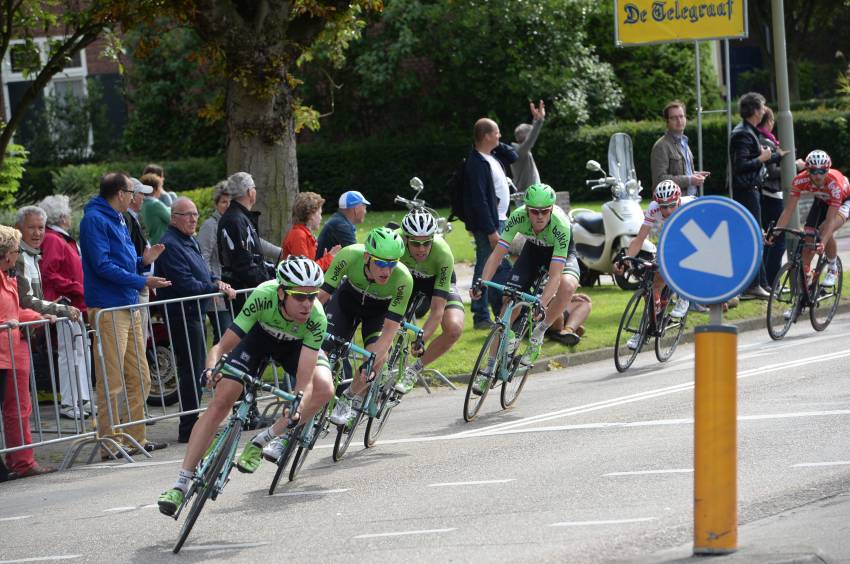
<point x="203" y="201"/>
<point x="10" y="174"/>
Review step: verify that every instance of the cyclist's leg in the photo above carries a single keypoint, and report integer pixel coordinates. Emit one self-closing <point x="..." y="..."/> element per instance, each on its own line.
<point x="371" y="327"/>
<point x="817" y="213"/>
<point x="452" y="329"/>
<point x="317" y="389"/>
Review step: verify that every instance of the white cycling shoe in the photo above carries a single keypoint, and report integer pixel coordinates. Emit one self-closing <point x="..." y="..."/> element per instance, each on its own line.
<point x="680" y="310"/>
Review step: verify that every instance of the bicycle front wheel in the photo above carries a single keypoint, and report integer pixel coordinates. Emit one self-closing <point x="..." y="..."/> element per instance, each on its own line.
<point x="670" y="332"/>
<point x="321" y="420"/>
<point x="225" y="450"/>
<point x="824" y="299"/>
<point x="518" y="370"/>
<point x="388" y="398"/>
<point x="632" y="323"/>
<point x="291" y="445"/>
<point x="472" y="403"/>
<point x="344" y="436"/>
<point x="783" y="305"/>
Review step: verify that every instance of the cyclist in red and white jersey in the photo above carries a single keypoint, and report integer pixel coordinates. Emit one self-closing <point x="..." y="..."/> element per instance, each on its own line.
<point x="829" y="210"/>
<point x="666" y="199"/>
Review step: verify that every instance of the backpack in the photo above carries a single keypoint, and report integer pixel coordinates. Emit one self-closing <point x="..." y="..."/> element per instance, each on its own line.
<point x="455" y="187"/>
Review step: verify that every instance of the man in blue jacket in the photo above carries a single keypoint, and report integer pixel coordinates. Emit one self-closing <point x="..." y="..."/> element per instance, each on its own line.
<point x="486" y="197"/>
<point x="184" y="266"/>
<point x="111" y="273"/>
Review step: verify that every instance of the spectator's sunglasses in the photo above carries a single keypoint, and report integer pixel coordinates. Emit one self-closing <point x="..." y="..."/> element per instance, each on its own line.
<point x="539" y="211"/>
<point x="381" y="263"/>
<point x="818" y="170"/>
<point x="420" y="243"/>
<point x="302" y="296"/>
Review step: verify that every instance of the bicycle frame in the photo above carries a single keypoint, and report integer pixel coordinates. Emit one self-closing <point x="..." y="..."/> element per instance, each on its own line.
<point x="516" y="299"/>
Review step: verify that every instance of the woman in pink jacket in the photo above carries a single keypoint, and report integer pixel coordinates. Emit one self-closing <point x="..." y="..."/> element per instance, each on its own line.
<point x="15" y="367"/>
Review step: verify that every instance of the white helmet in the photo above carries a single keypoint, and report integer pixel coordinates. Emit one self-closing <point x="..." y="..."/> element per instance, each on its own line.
<point x="299" y="271"/>
<point x="667" y="192"/>
<point x="818" y="159"/>
<point x="419" y="223"/>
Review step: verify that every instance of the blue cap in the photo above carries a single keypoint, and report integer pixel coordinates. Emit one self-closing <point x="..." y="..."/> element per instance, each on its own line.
<point x="352" y="198"/>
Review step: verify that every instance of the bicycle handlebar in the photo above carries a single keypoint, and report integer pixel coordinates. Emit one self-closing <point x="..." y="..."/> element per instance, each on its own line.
<point x="798" y="232"/>
<point x="640" y="263"/>
<point x="511" y="292"/>
<point x="223" y="368"/>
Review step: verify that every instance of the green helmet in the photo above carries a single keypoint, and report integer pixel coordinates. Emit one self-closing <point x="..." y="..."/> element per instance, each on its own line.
<point x="539" y="196"/>
<point x="384" y="243"/>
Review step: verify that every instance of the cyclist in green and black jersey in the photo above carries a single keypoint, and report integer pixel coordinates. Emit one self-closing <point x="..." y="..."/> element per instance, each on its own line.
<point x="282" y="320"/>
<point x="431" y="262"/>
<point x="366" y="283"/>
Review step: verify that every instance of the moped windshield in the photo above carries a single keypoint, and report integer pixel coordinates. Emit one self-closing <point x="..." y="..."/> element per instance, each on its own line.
<point x="621" y="160"/>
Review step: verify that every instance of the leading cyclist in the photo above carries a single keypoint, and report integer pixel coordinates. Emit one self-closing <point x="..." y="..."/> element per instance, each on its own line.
<point x="281" y="320"/>
<point x="431" y="262"/>
<point x="375" y="292"/>
<point x="666" y="199"/>
<point x="829" y="210"/>
<point x="548" y="232"/>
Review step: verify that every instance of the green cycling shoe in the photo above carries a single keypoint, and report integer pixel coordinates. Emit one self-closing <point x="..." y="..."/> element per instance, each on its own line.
<point x="169" y="501"/>
<point x="250" y="459"/>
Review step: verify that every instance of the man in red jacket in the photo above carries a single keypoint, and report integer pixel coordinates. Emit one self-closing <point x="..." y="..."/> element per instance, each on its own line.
<point x="62" y="277"/>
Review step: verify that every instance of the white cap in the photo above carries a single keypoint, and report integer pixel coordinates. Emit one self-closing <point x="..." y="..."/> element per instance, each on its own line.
<point x="141" y="188"/>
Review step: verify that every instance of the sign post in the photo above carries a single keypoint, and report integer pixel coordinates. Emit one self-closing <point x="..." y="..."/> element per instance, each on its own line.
<point x="697" y="261"/>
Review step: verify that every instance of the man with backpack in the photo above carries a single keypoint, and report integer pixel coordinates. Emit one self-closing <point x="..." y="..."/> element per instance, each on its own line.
<point x="485" y="201"/>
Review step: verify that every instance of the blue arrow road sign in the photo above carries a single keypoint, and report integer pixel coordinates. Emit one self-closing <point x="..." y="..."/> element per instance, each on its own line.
<point x="710" y="250"/>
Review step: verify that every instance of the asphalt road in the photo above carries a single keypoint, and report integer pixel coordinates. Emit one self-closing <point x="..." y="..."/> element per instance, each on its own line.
<point x="590" y="466"/>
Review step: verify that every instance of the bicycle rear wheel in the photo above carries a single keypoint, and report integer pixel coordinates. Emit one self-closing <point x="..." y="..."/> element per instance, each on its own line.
<point x="209" y="479"/>
<point x="824" y="301"/>
<point x="471" y="402"/>
<point x="670" y="332"/>
<point x="633" y="322"/>
<point x="283" y="461"/>
<point x="303" y="450"/>
<point x="343" y="437"/>
<point x="783" y="305"/>
<point x="517" y="371"/>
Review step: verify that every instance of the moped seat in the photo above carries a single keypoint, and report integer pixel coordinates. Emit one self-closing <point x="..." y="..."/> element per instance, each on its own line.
<point x="592" y="222"/>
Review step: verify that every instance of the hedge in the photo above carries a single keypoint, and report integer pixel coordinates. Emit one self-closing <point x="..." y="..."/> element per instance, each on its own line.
<point x="382" y="168"/>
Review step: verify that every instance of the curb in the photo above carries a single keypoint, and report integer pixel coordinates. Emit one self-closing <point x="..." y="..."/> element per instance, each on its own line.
<point x="567" y="360"/>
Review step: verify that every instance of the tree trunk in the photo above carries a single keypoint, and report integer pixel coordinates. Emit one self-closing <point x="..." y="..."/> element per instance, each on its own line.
<point x="261" y="141"/>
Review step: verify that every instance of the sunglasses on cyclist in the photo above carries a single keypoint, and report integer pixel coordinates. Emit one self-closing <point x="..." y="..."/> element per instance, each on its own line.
<point x="668" y="206"/>
<point x="381" y="263"/>
<point x="424" y="243"/>
<point x="818" y="170"/>
<point x="539" y="211"/>
<point x="302" y="296"/>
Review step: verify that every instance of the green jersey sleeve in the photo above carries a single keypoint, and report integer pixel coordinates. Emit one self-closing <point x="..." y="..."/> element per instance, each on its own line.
<point x="444" y="264"/>
<point x="262" y="299"/>
<point x="401" y="283"/>
<point x="343" y="260"/>
<point x="316" y="327"/>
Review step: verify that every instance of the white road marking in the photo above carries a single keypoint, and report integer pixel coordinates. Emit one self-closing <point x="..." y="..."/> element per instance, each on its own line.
<point x="474" y="483"/>
<point x="310" y="492"/>
<point x="44" y="558"/>
<point x="15" y="518"/>
<point x="643" y="472"/>
<point x="609" y="522"/>
<point x="815" y="464"/>
<point x="146" y="464"/>
<point x="221" y="546"/>
<point x="404" y="533"/>
<point x="120" y="509"/>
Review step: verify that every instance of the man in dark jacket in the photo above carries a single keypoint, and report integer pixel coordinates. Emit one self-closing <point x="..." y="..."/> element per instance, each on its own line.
<point x="486" y="197"/>
<point x="748" y="158"/>
<point x="182" y="263"/>
<point x="242" y="262"/>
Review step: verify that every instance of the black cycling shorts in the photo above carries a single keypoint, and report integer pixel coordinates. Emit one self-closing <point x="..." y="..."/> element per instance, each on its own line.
<point x="817" y="213"/>
<point x="257" y="346"/>
<point x="426" y="286"/>
<point x="346" y="307"/>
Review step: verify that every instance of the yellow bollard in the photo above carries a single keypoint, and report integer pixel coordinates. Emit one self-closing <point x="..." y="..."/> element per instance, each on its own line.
<point x="715" y="440"/>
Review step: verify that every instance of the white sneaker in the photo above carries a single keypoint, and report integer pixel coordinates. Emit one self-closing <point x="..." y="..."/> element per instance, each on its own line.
<point x="71" y="412"/>
<point x="680" y="309"/>
<point x="273" y="451"/>
<point x="830" y="278"/>
<point x="406" y="382"/>
<point x="786" y="315"/>
<point x="342" y="411"/>
<point x="634" y="341"/>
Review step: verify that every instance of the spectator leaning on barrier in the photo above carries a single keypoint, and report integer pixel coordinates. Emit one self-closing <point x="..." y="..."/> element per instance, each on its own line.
<point x="31" y="222"/>
<point x="15" y="363"/>
<point x="155" y="215"/>
<point x="62" y="279"/>
<point x="239" y="250"/>
<point x="306" y="218"/>
<point x="749" y="157"/>
<point x="339" y="230"/>
<point x="671" y="157"/>
<point x="183" y="265"/>
<point x="111" y="270"/>
<point x="486" y="197"/>
<point x="218" y="310"/>
<point x="524" y="169"/>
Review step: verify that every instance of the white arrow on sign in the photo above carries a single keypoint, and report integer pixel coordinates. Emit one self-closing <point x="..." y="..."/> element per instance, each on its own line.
<point x="713" y="254"/>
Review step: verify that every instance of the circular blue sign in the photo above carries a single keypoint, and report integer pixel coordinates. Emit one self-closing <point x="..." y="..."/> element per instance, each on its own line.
<point x="710" y="250"/>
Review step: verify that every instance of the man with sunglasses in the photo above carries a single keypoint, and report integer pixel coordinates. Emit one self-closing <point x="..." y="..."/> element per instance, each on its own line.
<point x="281" y="320"/>
<point x="547" y="231"/>
<point x="829" y="210"/>
<point x="366" y="283"/>
<point x="431" y="262"/>
<point x="666" y="199"/>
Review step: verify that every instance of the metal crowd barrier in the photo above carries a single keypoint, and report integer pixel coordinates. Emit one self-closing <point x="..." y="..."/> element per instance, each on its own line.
<point x="61" y="351"/>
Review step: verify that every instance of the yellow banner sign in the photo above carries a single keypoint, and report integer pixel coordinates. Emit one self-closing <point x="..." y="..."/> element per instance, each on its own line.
<point x="638" y="22"/>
